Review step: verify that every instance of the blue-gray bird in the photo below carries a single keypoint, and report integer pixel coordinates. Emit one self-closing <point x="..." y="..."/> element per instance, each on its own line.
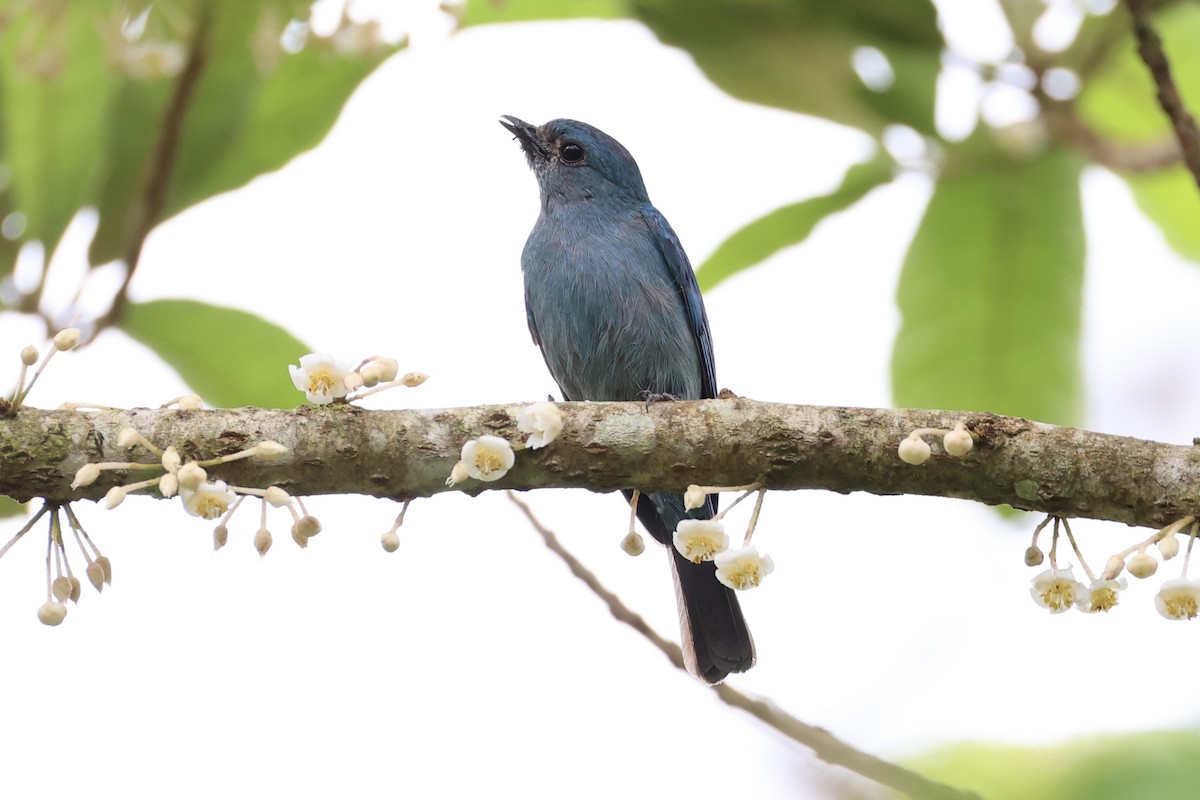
<point x="614" y="306"/>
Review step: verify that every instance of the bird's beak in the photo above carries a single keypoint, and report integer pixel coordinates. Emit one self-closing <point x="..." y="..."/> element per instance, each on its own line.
<point x="527" y="135"/>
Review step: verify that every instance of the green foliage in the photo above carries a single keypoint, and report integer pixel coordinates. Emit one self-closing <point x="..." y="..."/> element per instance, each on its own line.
<point x="205" y="99"/>
<point x="1148" y="766"/>
<point x="476" y="13"/>
<point x="991" y="290"/>
<point x="11" y="508"/>
<point x="789" y="225"/>
<point x="229" y="357"/>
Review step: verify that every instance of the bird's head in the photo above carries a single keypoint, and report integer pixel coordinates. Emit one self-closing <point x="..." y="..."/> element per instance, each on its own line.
<point x="574" y="161"/>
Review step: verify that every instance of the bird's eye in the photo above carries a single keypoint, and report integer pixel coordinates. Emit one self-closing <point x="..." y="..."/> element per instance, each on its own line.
<point x="571" y="153"/>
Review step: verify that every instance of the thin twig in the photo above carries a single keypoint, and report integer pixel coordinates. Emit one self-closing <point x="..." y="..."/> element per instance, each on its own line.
<point x="824" y="745"/>
<point x="1150" y="48"/>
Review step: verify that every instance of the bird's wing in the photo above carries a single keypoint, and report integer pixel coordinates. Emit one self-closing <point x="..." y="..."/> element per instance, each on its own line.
<point x="685" y="282"/>
<point x="533" y="331"/>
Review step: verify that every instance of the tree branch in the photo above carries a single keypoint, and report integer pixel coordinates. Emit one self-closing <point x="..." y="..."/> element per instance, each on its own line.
<point x="824" y="744"/>
<point x="1151" y="50"/>
<point x="606" y="446"/>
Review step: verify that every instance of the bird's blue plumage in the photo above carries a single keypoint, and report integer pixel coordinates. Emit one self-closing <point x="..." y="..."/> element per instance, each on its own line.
<point x="613" y="304"/>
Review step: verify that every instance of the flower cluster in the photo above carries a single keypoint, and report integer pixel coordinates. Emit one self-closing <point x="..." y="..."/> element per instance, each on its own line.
<point x="700" y="540"/>
<point x="324" y="378"/>
<point x="957" y="442"/>
<point x="1058" y="590"/>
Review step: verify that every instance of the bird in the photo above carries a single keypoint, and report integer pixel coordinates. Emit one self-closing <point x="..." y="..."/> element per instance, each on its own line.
<point x="613" y="303"/>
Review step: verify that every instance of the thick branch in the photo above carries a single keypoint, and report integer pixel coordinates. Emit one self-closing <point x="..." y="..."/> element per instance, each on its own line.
<point x="606" y="446"/>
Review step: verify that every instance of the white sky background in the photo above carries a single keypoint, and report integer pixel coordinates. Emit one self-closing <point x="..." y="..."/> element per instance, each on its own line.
<point x="471" y="662"/>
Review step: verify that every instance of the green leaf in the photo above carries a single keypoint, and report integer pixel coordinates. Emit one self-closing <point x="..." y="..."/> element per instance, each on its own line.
<point x="799" y="54"/>
<point x="251" y="112"/>
<point x="1172" y="200"/>
<point x="789" y="225"/>
<point x="991" y="290"/>
<point x="230" y="358"/>
<point x="1160" y="765"/>
<point x="11" y="508"/>
<point x="484" y="12"/>
<point x="56" y="86"/>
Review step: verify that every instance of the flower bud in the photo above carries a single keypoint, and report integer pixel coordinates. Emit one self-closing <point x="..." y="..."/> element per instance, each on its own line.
<point x="29" y="356"/>
<point x="632" y="544"/>
<point x="1113" y="567"/>
<point x="958" y="442"/>
<point x="277" y="497"/>
<point x="105" y="568"/>
<point x="220" y="537"/>
<point x="66" y="339"/>
<point x="95" y="575"/>
<point x="390" y="541"/>
<point x="168" y="484"/>
<point x="171" y="459"/>
<point x="1142" y="565"/>
<point x="85" y="475"/>
<point x="298" y="537"/>
<point x="412" y="379"/>
<point x="309" y="526"/>
<point x="389" y="368"/>
<point x="191" y="475"/>
<point x="52" y="613"/>
<point x="269" y="450"/>
<point x="1168" y="547"/>
<point x="190" y="402"/>
<point x="458" y="474"/>
<point x="76" y="587"/>
<point x="371" y="375"/>
<point x="694" y="497"/>
<point x="1033" y="556"/>
<point x="914" y="450"/>
<point x="352" y="381"/>
<point x="262" y="541"/>
<point x="127" y="438"/>
<point x="115" y="496"/>
<point x="61" y="588"/>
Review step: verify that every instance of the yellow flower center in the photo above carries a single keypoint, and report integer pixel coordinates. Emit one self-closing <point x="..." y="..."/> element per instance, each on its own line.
<point x="1103" y="599"/>
<point x="701" y="548"/>
<point x="1058" y="595"/>
<point x="745" y="576"/>
<point x="1181" y="606"/>
<point x="487" y="462"/>
<point x="320" y="380"/>
<point x="210" y="506"/>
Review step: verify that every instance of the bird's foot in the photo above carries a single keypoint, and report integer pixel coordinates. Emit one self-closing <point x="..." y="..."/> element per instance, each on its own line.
<point x="656" y="397"/>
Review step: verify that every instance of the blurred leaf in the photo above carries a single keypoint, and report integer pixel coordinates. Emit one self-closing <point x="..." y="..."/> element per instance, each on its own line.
<point x="991" y="290"/>
<point x="799" y="54"/>
<point x="789" y="225"/>
<point x="1171" y="199"/>
<point x="230" y="358"/>
<point x="56" y="86"/>
<point x="1161" y="765"/>
<point x="11" y="508"/>
<point x="483" y="12"/>
<point x="254" y="107"/>
<point x="1119" y="101"/>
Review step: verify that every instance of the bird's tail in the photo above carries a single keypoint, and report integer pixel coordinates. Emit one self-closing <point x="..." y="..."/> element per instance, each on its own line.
<point x="714" y="635"/>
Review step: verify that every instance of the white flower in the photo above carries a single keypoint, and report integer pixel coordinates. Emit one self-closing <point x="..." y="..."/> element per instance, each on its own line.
<point x="542" y="421"/>
<point x="1101" y="595"/>
<point x="487" y="458"/>
<point x="700" y="539"/>
<point x="914" y="450"/>
<point x="744" y="568"/>
<point x="1057" y="590"/>
<point x="209" y="500"/>
<point x="1178" y="599"/>
<point x="320" y="376"/>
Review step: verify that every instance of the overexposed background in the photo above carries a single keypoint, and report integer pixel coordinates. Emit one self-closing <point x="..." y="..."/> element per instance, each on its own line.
<point x="470" y="662"/>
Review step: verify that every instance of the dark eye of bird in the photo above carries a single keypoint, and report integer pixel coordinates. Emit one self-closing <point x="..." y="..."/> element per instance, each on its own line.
<point x="571" y="153"/>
